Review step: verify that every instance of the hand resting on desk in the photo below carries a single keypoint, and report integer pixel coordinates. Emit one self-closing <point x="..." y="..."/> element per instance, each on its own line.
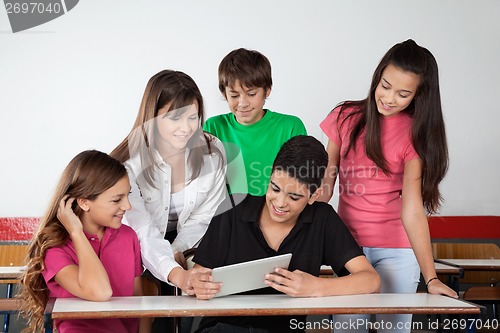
<point x="437" y="287"/>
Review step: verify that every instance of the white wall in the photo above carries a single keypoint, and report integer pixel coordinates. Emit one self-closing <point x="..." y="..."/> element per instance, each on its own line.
<point x="75" y="83"/>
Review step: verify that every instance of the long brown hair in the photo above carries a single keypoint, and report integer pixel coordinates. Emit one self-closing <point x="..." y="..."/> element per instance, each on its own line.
<point x="428" y="130"/>
<point x="89" y="174"/>
<point x="180" y="90"/>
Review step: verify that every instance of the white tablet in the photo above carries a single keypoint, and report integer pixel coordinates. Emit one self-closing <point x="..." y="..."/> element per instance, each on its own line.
<point x="247" y="275"/>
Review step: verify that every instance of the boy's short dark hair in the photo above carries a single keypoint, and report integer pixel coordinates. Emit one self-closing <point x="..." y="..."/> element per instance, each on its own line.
<point x="303" y="158"/>
<point x="250" y="67"/>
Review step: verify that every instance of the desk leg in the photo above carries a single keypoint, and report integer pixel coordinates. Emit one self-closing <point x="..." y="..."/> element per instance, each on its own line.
<point x="48" y="323"/>
<point x="471" y="324"/>
<point x="454" y="283"/>
<point x="6" y="318"/>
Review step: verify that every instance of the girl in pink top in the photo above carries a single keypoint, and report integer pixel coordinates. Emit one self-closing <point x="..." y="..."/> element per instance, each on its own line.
<point x="389" y="152"/>
<point x="82" y="249"/>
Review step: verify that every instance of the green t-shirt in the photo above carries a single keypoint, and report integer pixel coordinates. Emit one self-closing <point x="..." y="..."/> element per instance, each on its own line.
<point x="251" y="149"/>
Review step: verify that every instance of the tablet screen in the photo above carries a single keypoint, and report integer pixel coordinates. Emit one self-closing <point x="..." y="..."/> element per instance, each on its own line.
<point x="247" y="275"/>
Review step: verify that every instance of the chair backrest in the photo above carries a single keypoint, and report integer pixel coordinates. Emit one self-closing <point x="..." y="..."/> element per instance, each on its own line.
<point x="189" y="254"/>
<point x="470" y="251"/>
<point x="13" y="254"/>
<point x="150" y="287"/>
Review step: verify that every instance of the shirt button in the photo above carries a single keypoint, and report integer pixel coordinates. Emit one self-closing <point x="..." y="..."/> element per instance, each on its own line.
<point x="166" y="181"/>
<point x="191" y="202"/>
<point x="148" y="199"/>
<point x="166" y="208"/>
<point x="92" y="239"/>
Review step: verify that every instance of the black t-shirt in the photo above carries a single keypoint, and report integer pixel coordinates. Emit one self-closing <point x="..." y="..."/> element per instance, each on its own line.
<point x="319" y="238"/>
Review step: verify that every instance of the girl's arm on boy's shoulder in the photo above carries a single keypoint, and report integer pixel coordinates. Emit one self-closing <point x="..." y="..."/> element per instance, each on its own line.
<point x="416" y="225"/>
<point x="88" y="279"/>
<point x="333" y="151"/>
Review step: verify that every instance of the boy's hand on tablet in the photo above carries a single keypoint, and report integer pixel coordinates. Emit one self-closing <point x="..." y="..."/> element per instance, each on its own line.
<point x="295" y="284"/>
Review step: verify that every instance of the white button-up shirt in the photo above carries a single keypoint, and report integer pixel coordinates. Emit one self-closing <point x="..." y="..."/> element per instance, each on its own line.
<point x="150" y="207"/>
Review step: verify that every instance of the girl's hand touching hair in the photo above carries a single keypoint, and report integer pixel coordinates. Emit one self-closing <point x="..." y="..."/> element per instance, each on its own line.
<point x="67" y="216"/>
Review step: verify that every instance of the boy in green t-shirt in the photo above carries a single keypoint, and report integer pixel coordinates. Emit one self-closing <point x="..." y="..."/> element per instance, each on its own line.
<point x="252" y="135"/>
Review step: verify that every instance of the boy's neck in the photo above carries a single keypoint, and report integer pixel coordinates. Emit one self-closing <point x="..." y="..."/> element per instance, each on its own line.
<point x="274" y="232"/>
<point x="256" y="120"/>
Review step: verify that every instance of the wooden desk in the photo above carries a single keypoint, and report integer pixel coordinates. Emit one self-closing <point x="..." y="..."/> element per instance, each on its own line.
<point x="11" y="273"/>
<point x="255" y="305"/>
<point x="454" y="274"/>
<point x="473" y="264"/>
<point x="441" y="269"/>
<point x="9" y="306"/>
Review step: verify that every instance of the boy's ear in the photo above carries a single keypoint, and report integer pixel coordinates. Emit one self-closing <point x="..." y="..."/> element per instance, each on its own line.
<point x="83" y="203"/>
<point x="268" y="92"/>
<point x="315" y="195"/>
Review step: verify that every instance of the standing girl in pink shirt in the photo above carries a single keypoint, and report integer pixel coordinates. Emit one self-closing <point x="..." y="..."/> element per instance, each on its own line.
<point x="82" y="249"/>
<point x="389" y="152"/>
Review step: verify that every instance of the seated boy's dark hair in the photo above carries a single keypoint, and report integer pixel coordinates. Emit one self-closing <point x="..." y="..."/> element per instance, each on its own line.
<point x="249" y="67"/>
<point x="303" y="158"/>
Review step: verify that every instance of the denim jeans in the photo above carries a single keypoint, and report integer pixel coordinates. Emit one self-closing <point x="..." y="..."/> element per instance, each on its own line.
<point x="400" y="273"/>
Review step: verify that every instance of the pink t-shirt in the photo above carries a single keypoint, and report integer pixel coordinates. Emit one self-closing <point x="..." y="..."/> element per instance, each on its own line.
<point x="120" y="255"/>
<point x="370" y="201"/>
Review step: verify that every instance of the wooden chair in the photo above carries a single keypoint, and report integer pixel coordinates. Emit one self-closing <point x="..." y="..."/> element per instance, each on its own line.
<point x="484" y="289"/>
<point x="11" y="255"/>
<point x="150" y="286"/>
<point x="484" y="294"/>
<point x="470" y="251"/>
<point x="189" y="254"/>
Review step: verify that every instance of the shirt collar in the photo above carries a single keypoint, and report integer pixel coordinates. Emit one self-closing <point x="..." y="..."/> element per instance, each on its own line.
<point x="108" y="232"/>
<point x="160" y="162"/>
